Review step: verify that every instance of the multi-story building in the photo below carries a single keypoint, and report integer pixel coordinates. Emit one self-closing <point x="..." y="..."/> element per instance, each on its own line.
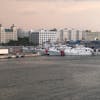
<point x="7" y="34"/>
<point x="69" y="34"/>
<point x="98" y="36"/>
<point x="22" y="33"/>
<point x="34" y="37"/>
<point x="42" y="36"/>
<point x="89" y="35"/>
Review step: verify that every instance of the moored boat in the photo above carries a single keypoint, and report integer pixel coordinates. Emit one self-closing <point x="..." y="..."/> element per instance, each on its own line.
<point x="79" y="51"/>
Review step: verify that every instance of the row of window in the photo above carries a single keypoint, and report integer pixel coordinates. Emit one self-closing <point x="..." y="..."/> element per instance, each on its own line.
<point x="48" y="37"/>
<point x="47" y="33"/>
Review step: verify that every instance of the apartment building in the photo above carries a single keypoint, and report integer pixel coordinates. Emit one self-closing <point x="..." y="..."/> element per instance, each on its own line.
<point x="7" y="34"/>
<point x="41" y="36"/>
<point x="90" y="36"/>
<point x="69" y="34"/>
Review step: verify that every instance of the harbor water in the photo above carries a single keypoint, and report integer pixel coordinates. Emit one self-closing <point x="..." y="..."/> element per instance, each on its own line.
<point x="50" y="78"/>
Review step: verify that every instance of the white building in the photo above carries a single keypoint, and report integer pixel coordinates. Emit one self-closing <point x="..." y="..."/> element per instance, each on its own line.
<point x="76" y="35"/>
<point x="90" y="36"/>
<point x="46" y="35"/>
<point x="42" y="36"/>
<point x="60" y="35"/>
<point x="7" y="34"/>
<point x="69" y="34"/>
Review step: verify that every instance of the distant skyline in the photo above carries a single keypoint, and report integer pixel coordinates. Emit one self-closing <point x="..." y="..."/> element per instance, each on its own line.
<point x="35" y="14"/>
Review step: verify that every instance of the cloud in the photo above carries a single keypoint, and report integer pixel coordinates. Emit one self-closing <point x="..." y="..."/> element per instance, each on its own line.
<point x="59" y="0"/>
<point x="56" y="8"/>
<point x="43" y="13"/>
<point x="29" y="12"/>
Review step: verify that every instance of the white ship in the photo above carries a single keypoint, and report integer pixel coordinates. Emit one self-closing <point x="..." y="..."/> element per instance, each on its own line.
<point x="78" y="51"/>
<point x="81" y="51"/>
<point x="53" y="51"/>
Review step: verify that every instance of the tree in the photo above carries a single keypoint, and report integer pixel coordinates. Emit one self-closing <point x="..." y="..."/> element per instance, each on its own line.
<point x="21" y="42"/>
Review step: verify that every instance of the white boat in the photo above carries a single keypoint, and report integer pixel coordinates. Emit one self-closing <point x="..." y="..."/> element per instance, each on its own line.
<point x="41" y="51"/>
<point x="61" y="50"/>
<point x="81" y="51"/>
<point x="53" y="51"/>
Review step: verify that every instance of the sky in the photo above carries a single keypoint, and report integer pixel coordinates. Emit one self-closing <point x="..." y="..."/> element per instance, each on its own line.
<point x="35" y="14"/>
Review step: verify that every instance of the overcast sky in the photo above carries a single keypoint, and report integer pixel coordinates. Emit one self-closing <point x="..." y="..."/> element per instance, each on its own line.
<point x="82" y="14"/>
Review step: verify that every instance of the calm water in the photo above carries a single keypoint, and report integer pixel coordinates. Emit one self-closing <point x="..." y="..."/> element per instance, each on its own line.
<point x="50" y="78"/>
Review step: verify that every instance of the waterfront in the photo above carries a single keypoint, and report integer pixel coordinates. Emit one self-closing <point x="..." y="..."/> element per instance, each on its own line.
<point x="50" y="78"/>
